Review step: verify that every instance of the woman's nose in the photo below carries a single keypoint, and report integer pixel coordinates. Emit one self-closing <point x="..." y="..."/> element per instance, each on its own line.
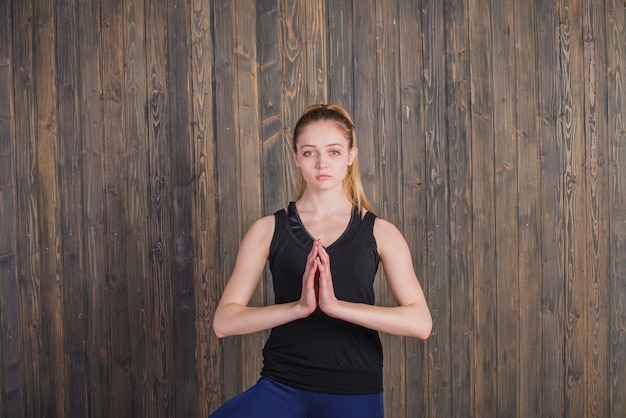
<point x="321" y="161"/>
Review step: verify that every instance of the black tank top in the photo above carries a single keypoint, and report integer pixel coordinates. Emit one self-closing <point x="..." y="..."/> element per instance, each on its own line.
<point x="320" y="353"/>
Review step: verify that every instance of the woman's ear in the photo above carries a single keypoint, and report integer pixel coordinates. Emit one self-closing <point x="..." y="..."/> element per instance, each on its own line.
<point x="295" y="156"/>
<point x="354" y="151"/>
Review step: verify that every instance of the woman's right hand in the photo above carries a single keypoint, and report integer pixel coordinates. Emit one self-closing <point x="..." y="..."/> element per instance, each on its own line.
<point x="308" y="299"/>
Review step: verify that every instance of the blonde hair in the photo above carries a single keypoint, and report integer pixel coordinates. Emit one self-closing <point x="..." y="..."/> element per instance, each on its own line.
<point x="352" y="185"/>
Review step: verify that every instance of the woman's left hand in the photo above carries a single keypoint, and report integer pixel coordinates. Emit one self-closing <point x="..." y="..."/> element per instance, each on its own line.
<point x="326" y="299"/>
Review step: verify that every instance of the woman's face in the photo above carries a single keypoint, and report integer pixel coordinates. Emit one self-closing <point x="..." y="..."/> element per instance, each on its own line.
<point x="323" y="155"/>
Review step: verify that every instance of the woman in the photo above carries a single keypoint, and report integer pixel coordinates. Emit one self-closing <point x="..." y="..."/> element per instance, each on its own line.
<point x="323" y="357"/>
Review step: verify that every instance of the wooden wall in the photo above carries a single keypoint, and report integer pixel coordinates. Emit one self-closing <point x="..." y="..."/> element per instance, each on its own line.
<point x="140" y="138"/>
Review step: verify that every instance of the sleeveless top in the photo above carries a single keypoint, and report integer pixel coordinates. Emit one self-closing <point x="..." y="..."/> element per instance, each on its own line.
<point x="320" y="353"/>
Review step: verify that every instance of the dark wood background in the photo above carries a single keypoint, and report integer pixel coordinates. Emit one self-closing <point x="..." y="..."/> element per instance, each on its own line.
<point x="140" y="138"/>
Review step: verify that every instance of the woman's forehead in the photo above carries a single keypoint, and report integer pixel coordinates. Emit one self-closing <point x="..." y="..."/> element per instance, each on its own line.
<point x="322" y="133"/>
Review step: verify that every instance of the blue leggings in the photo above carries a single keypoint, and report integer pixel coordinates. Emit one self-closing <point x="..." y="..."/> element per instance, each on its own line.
<point x="270" y="399"/>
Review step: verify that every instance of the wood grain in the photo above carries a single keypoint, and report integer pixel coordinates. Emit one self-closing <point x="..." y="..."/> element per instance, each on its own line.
<point x="458" y="100"/>
<point x="529" y="209"/>
<point x="10" y="358"/>
<point x="616" y="96"/>
<point x="483" y="195"/>
<point x="28" y="248"/>
<point x="552" y="276"/>
<point x="412" y="204"/>
<point x="136" y="205"/>
<point x="505" y="206"/>
<point x="204" y="212"/>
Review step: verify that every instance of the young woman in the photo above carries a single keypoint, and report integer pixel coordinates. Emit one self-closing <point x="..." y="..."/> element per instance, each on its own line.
<point x="323" y="357"/>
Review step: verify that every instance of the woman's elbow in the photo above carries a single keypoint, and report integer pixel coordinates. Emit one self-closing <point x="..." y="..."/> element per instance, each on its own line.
<point x="217" y="329"/>
<point x="424" y="326"/>
<point x="424" y="330"/>
<point x="219" y="326"/>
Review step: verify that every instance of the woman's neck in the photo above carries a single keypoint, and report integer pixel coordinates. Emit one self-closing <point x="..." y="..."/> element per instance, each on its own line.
<point x="323" y="203"/>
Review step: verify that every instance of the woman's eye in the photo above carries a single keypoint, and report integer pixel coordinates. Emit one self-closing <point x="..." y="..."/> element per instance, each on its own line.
<point x="335" y="152"/>
<point x="307" y="153"/>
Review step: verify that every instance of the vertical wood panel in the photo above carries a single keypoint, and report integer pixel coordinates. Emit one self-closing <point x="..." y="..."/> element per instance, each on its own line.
<point x="160" y="193"/>
<point x="293" y="50"/>
<point x="114" y="349"/>
<point x="596" y="203"/>
<point x="616" y="53"/>
<point x="136" y="209"/>
<point x="225" y="131"/>
<point x="249" y="151"/>
<point x="505" y="206"/>
<point x="438" y="285"/>
<point x="413" y="202"/>
<point x="71" y="216"/>
<point x="569" y="135"/>
<point x="340" y="65"/>
<point x="28" y="248"/>
<point x="390" y="171"/>
<point x="182" y="375"/>
<point x="92" y="167"/>
<point x="460" y="195"/>
<point x="313" y="23"/>
<point x="54" y="369"/>
<point x="275" y="144"/>
<point x="10" y="362"/>
<point x="204" y="211"/>
<point x="365" y="96"/>
<point x="551" y="219"/>
<point x="529" y="198"/>
<point x="485" y="285"/>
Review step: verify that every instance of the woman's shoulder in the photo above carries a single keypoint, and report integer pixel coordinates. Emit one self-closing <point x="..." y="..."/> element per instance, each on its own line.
<point x="263" y="225"/>
<point x="387" y="235"/>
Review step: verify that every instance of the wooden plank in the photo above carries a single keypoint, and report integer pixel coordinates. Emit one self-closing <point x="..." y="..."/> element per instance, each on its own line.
<point x="10" y="359"/>
<point x="597" y="204"/>
<point x="389" y="155"/>
<point x="206" y="258"/>
<point x="293" y="59"/>
<point x="365" y="97"/>
<point x="413" y="203"/>
<point x="136" y="209"/>
<point x="249" y="156"/>
<point x="225" y="131"/>
<point x="54" y="376"/>
<point x="183" y="376"/>
<point x="28" y="243"/>
<point x="70" y="201"/>
<point x="505" y="206"/>
<point x="616" y="99"/>
<point x="205" y="211"/>
<point x="340" y="65"/>
<point x="551" y="219"/>
<point x="529" y="209"/>
<point x="161" y="323"/>
<point x="118" y="384"/>
<point x="569" y="127"/>
<point x="458" y="120"/>
<point x="92" y="155"/>
<point x="312" y="19"/>
<point x="437" y="221"/>
<point x="276" y="144"/>
<point x="485" y="323"/>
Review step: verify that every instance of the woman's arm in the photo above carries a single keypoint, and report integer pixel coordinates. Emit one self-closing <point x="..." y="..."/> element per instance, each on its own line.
<point x="233" y="316"/>
<point x="411" y="317"/>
